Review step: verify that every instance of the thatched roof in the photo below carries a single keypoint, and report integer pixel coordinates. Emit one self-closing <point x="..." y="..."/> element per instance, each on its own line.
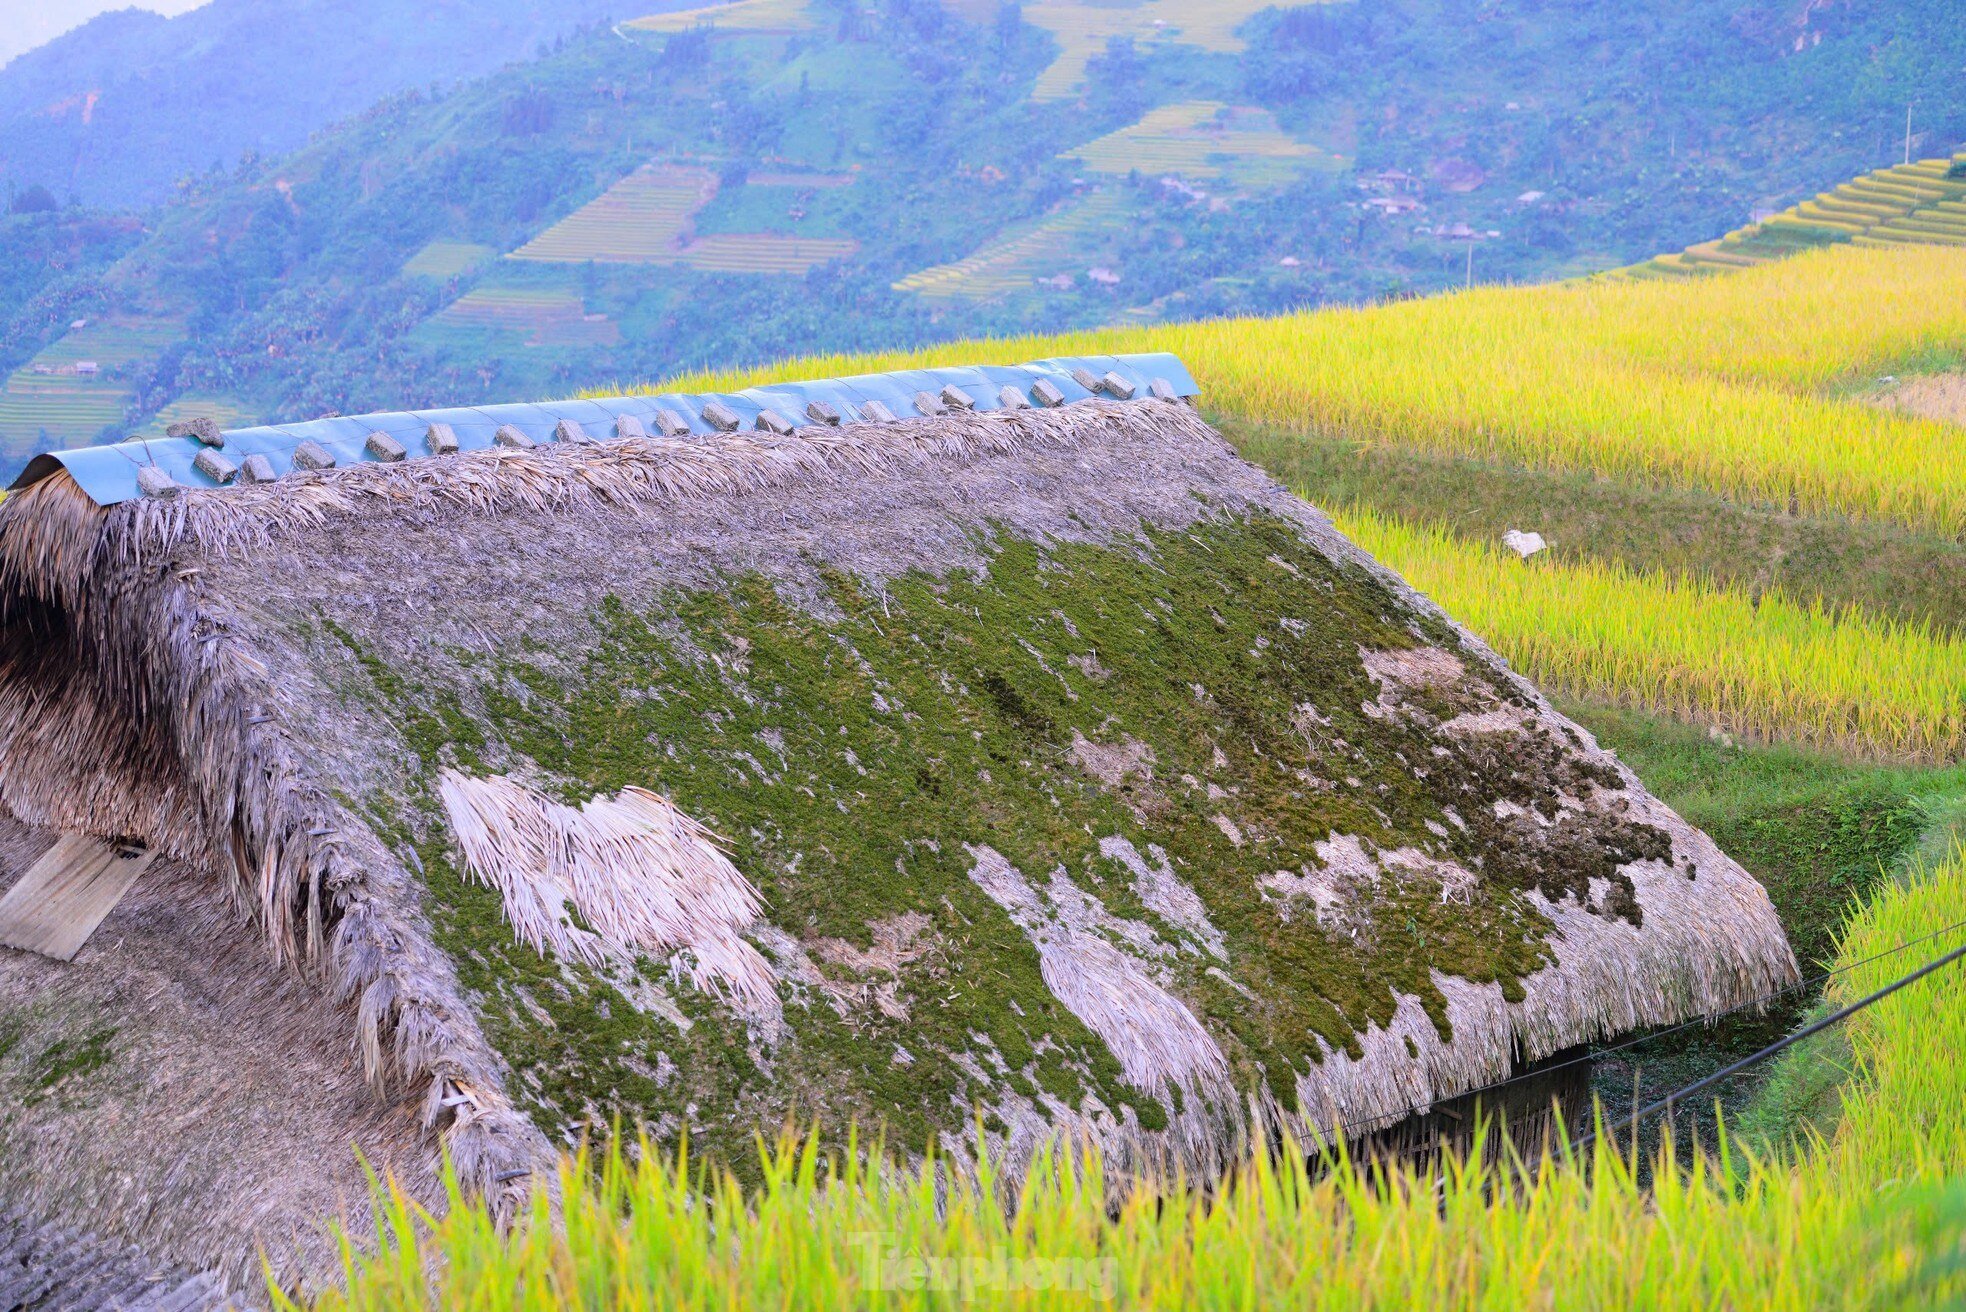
<point x="1047" y="763"/>
<point x="49" y="1268"/>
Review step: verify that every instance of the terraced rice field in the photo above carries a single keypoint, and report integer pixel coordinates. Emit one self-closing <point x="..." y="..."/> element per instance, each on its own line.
<point x="1083" y="28"/>
<point x="510" y="308"/>
<point x="646" y="218"/>
<point x="761" y="16"/>
<point x="1199" y="139"/>
<point x="547" y="316"/>
<point x="1010" y="263"/>
<point x="641" y="219"/>
<point x="1906" y="205"/>
<point x="1734" y="378"/>
<point x="444" y="259"/>
<point x="228" y="411"/>
<point x="66" y="411"/>
<point x="764" y="252"/>
<point x="53" y="399"/>
<point x="1763" y="666"/>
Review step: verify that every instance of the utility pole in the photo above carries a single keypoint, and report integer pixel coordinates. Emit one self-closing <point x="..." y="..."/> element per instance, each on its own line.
<point x="1470" y="282"/>
<point x="1907" y="134"/>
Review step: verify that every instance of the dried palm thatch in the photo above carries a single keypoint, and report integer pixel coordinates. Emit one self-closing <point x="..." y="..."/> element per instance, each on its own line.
<point x="178" y="672"/>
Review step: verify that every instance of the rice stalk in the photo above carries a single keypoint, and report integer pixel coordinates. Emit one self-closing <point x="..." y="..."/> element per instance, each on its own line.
<point x="1734" y="385"/>
<point x="1764" y="666"/>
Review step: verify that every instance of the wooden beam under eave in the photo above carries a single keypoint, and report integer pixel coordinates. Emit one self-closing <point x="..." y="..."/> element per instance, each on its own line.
<point x="57" y="904"/>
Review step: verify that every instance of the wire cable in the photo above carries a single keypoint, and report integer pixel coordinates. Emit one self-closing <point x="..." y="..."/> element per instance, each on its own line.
<point x="1381" y="1121"/>
<point x="1665" y="1104"/>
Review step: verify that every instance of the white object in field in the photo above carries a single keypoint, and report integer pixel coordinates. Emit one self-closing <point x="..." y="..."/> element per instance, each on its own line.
<point x="1524" y="544"/>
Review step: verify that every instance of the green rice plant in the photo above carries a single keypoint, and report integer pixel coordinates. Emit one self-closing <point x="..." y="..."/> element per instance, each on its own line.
<point x="1764" y="666"/>
<point x="1869" y="1218"/>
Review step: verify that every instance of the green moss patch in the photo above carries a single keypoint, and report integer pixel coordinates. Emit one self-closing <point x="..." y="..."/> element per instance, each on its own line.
<point x="62" y="1069"/>
<point x="1203" y="691"/>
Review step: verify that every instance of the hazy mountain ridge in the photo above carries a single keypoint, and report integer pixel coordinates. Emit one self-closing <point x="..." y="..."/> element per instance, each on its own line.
<point x="117" y="110"/>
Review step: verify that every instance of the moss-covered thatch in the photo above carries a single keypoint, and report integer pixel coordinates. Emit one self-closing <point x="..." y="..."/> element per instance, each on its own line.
<point x="981" y="775"/>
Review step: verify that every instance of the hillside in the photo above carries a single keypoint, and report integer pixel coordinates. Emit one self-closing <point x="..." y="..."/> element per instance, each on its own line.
<point x="117" y="111"/>
<point x="759" y="179"/>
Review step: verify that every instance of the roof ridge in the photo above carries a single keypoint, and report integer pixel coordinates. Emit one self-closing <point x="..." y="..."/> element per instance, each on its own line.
<point x="198" y="454"/>
<point x="619" y="473"/>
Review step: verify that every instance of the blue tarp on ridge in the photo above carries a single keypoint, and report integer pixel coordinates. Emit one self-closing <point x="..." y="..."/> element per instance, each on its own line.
<point x="109" y="473"/>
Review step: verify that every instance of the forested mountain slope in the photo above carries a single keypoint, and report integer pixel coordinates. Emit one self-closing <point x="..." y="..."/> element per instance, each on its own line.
<point x="770" y="177"/>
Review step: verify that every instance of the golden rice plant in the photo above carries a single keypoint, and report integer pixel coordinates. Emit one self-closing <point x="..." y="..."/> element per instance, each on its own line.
<point x="1766" y="666"/>
<point x="1871" y="1218"/>
<point x="1728" y="384"/>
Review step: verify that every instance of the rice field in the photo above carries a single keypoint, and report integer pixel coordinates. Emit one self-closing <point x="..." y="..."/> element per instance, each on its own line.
<point x="647" y="218"/>
<point x="1011" y="263"/>
<point x="445" y="259"/>
<point x="56" y="395"/>
<point x="547" y="316"/>
<point x="1083" y="27"/>
<point x="760" y="16"/>
<point x="1906" y="204"/>
<point x="512" y="309"/>
<point x="765" y="252"/>
<point x="67" y="410"/>
<point x="113" y="341"/>
<point x="641" y="219"/>
<point x="1200" y="139"/>
<point x="1762" y="666"/>
<point x="1871" y="1217"/>
<point x="1729" y="385"/>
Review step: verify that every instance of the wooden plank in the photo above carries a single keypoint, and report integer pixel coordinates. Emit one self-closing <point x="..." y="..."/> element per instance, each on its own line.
<point x="58" y="903"/>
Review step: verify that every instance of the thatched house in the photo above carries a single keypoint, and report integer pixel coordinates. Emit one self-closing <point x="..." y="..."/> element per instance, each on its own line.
<point x="971" y="752"/>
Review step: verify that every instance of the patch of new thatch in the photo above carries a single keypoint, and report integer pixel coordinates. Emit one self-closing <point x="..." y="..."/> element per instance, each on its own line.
<point x="1065" y="769"/>
<point x="639" y="872"/>
<point x="1160" y="1044"/>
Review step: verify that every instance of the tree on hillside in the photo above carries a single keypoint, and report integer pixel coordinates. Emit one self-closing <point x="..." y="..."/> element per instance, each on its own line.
<point x="1009" y="25"/>
<point x="1116" y="81"/>
<point x="34" y="199"/>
